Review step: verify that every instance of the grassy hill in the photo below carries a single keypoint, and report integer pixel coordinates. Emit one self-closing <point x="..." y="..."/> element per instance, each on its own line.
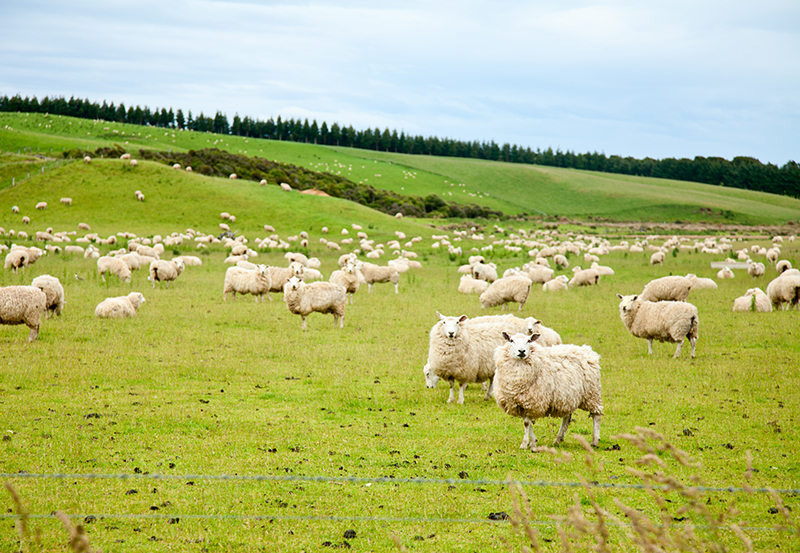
<point x="512" y="188"/>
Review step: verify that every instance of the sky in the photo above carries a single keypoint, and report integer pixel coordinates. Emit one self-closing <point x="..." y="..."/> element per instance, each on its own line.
<point x="654" y="78"/>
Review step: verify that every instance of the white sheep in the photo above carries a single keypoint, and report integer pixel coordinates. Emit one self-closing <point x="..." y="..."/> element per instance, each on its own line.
<point x="321" y="297"/>
<point x="469" y="285"/>
<point x="41" y="205"/>
<point x="165" y="271"/>
<point x="245" y="281"/>
<point x="515" y="325"/>
<point x="279" y="276"/>
<point x="87" y="159"/>
<point x="533" y="382"/>
<point x="665" y="321"/>
<point x="348" y="278"/>
<point x="755" y="270"/>
<point x="23" y="305"/>
<point x="725" y="273"/>
<point x="84" y="226"/>
<point x="557" y="284"/>
<point x="26" y="220"/>
<point x="602" y="269"/>
<point x="584" y="277"/>
<point x="784" y="290"/>
<point x="561" y="261"/>
<point x="700" y="283"/>
<point x="53" y="291"/>
<point x="134" y="163"/>
<point x="189" y="260"/>
<point x="66" y="201"/>
<point x="114" y="265"/>
<point x="119" y="307"/>
<point x="18" y="258"/>
<point x="374" y="274"/>
<point x="539" y="273"/>
<point x="753" y="300"/>
<point x="299" y="257"/>
<point x="668" y="288"/>
<point x="783" y="265"/>
<point x="481" y="271"/>
<point x="657" y="258"/>
<point x="507" y="289"/>
<point x="125" y="156"/>
<point x="285" y="187"/>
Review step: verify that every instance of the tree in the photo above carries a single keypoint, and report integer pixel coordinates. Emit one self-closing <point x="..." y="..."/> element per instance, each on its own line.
<point x="180" y="120"/>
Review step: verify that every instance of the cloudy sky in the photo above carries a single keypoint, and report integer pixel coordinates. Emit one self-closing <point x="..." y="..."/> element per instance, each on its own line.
<point x="657" y="78"/>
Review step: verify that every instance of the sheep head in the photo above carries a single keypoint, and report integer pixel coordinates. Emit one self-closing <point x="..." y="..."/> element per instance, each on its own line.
<point x="520" y="343"/>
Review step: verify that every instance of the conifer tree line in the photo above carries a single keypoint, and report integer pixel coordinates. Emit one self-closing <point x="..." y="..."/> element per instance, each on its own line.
<point x="741" y="172"/>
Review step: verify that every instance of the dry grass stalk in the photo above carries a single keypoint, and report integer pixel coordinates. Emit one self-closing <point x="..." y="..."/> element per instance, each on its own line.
<point x="25" y="540"/>
<point x="78" y="540"/>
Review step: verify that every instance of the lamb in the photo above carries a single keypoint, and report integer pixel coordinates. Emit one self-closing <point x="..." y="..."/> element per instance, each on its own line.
<point x="785" y="289"/>
<point x="189" y="260"/>
<point x="666" y="321"/>
<point x="725" y="272"/>
<point x="584" y="277"/>
<point x="321" y="297"/>
<point x="469" y="285"/>
<point x="557" y="284"/>
<point x="533" y="382"/>
<point x="115" y="266"/>
<point x="753" y="300"/>
<point x="245" y="281"/>
<point x="285" y="187"/>
<point x="53" y="291"/>
<point x="755" y="270"/>
<point x="165" y="271"/>
<point x="279" y="276"/>
<point x="507" y="289"/>
<point x="348" y="278"/>
<point x="119" y="307"/>
<point x="376" y="273"/>
<point x="668" y="288"/>
<point x="23" y="305"/>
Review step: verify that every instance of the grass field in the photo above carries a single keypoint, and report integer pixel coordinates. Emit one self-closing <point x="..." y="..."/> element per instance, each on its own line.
<point x="207" y="393"/>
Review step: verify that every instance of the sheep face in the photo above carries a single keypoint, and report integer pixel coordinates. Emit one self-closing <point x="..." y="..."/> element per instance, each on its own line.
<point x="450" y="327"/>
<point x="520" y="344"/>
<point x="431" y="379"/>
<point x="626" y="303"/>
<point x="293" y="284"/>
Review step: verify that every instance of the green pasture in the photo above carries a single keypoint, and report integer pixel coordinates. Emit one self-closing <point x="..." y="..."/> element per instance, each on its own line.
<point x="513" y="188"/>
<point x="196" y="388"/>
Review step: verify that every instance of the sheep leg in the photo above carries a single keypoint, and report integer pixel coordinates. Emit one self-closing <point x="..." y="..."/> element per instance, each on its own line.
<point x="650" y="346"/>
<point x="528" y="437"/>
<point x="303" y="326"/>
<point x="461" y="389"/>
<point x="341" y="322"/>
<point x="678" y="350"/>
<point x="452" y="396"/>
<point x="693" y="341"/>
<point x="268" y="296"/>
<point x="595" y="429"/>
<point x="369" y="288"/>
<point x="34" y="333"/>
<point x="563" y="430"/>
<point x="396" y="287"/>
<point x="489" y="389"/>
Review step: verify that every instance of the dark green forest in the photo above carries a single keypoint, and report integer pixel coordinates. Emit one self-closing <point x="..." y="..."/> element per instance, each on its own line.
<point x="741" y="172"/>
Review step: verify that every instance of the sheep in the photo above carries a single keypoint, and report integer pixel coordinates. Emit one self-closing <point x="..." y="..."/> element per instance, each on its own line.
<point x="245" y="281"/>
<point x="348" y="278"/>
<point x="233" y="176"/>
<point x="165" y="271"/>
<point x="140" y="196"/>
<point x="84" y="226"/>
<point x="783" y="265"/>
<point x="785" y="289"/>
<point x="299" y="257"/>
<point x="533" y="382"/>
<point x="557" y="284"/>
<point x="113" y="265"/>
<point x="189" y="260"/>
<point x="134" y="163"/>
<point x="657" y="258"/>
<point x="23" y="305"/>
<point x="725" y="273"/>
<point x="668" y="288"/>
<point x="507" y="289"/>
<point x="41" y="205"/>
<point x="487" y="272"/>
<point x="753" y="300"/>
<point x="321" y="297"/>
<point x="539" y="273"/>
<point x="584" y="277"/>
<point x="285" y="187"/>
<point x="53" y="291"/>
<point x="119" y="307"/>
<point x="515" y="325"/>
<point x="561" y="261"/>
<point x="26" y="220"/>
<point x="17" y="259"/>
<point x="376" y="273"/>
<point x="66" y="201"/>
<point x="125" y="156"/>
<point x="699" y="283"/>
<point x="87" y="159"/>
<point x="755" y="270"/>
<point x="469" y="285"/>
<point x="602" y="269"/>
<point x="666" y="321"/>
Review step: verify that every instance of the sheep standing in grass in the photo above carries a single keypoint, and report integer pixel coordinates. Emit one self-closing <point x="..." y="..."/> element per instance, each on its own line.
<point x="584" y="277"/>
<point x="246" y="281"/>
<point x="783" y="265"/>
<point x="17" y="259"/>
<point x="165" y="271"/>
<point x="665" y="321"/>
<point x="114" y="265"/>
<point x="321" y="297"/>
<point x="755" y="270"/>
<point x="347" y="277"/>
<point x="482" y="271"/>
<point x="657" y="258"/>
<point x="41" y="205"/>
<point x="753" y="300"/>
<point x="279" y="275"/>
<point x="668" y="288"/>
<point x="507" y="289"/>
<point x="785" y="290"/>
<point x="23" y="305"/>
<point x="516" y="325"/>
<point x="533" y="382"/>
<point x="374" y="274"/>
<point x="53" y="291"/>
<point x="119" y="307"/>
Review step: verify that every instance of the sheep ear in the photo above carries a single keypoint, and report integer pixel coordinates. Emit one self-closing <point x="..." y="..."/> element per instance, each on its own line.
<point x="441" y="317"/>
<point x="506" y="337"/>
<point x="462" y="318"/>
<point x="533" y="338"/>
<point x="636" y="297"/>
<point x="619" y="296"/>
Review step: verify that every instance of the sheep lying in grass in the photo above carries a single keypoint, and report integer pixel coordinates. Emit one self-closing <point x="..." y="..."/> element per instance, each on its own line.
<point x="753" y="300"/>
<point x="321" y="297"/>
<point x="374" y="274"/>
<point x="700" y="283"/>
<point x="165" y="271"/>
<point x="119" y="307"/>
<point x="533" y="382"/>
<point x="114" y="265"/>
<point x="23" y="305"/>
<point x="561" y="282"/>
<point x="507" y="289"/>
<point x="53" y="291"/>
<point x="246" y="281"/>
<point x="469" y="285"/>
<point x="668" y="288"/>
<point x="785" y="290"/>
<point x="665" y="321"/>
<point x="725" y="273"/>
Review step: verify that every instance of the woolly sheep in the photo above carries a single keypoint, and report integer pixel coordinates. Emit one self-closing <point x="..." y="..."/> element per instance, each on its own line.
<point x="189" y="260"/>
<point x="125" y="156"/>
<point x="657" y="258"/>
<point x="469" y="285"/>
<point x="533" y="382"/>
<point x="515" y="325"/>
<point x="134" y="163"/>
<point x="374" y="274"/>
<point x="725" y="273"/>
<point x="165" y="271"/>
<point x="23" y="305"/>
<point x="346" y="277"/>
<point x="785" y="289"/>
<point x="753" y="300"/>
<point x="668" y="288"/>
<point x="280" y="275"/>
<point x="119" y="307"/>
<point x="755" y="270"/>
<point x="66" y="201"/>
<point x="782" y="265"/>
<point x="602" y="269"/>
<point x="584" y="277"/>
<point x="557" y="284"/>
<point x="699" y="283"/>
<point x="321" y="297"/>
<point x="84" y="226"/>
<point x="41" y="205"/>
<point x="285" y="187"/>
<point x="299" y="257"/>
<point x="115" y="266"/>
<point x="507" y="289"/>
<point x="665" y="321"/>
<point x="17" y="259"/>
<point x="561" y="261"/>
<point x="53" y="291"/>
<point x="26" y="220"/>
<point x="539" y="273"/>
<point x="87" y="159"/>
<point x="481" y="271"/>
<point x="245" y="281"/>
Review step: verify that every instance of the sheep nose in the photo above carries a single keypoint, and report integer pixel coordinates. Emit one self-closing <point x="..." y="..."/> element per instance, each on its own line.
<point x="521" y="353"/>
